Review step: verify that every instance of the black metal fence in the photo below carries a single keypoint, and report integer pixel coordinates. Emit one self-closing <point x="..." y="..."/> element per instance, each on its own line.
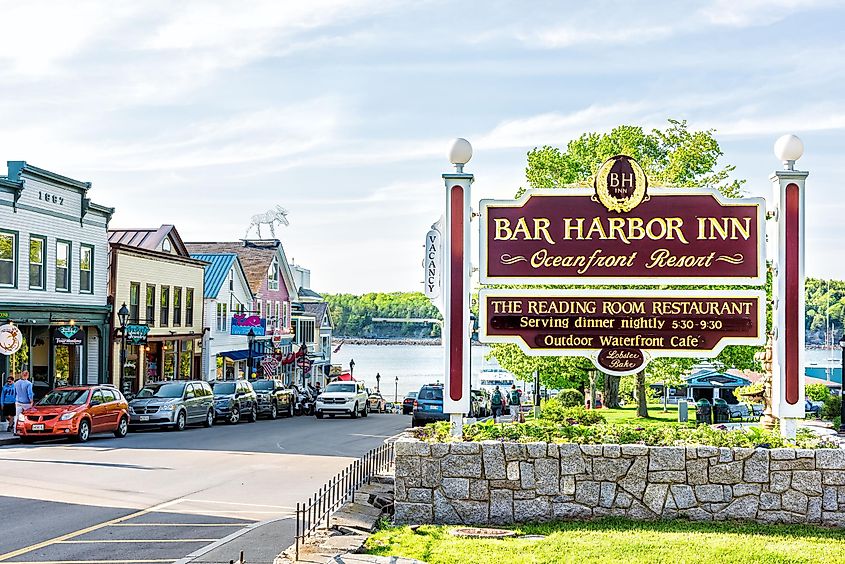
<point x="334" y="493"/>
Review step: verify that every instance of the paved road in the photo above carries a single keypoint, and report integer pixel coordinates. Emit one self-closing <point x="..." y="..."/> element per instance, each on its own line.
<point x="160" y="496"/>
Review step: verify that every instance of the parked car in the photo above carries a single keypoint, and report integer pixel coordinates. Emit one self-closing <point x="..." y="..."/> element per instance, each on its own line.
<point x="234" y="399"/>
<point x="76" y="412"/>
<point x="408" y="403"/>
<point x="173" y="404"/>
<point x="377" y="403"/>
<point x="480" y="404"/>
<point x="274" y="397"/>
<point x="813" y="408"/>
<point x="343" y="398"/>
<point x="428" y="406"/>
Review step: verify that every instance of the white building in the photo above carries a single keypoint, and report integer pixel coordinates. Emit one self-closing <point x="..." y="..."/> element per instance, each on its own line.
<point x="53" y="276"/>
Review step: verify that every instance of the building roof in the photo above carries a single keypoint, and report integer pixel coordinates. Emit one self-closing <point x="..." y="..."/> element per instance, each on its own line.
<point x="149" y="239"/>
<point x="317" y="309"/>
<point x="710" y="378"/>
<point x="216" y="271"/>
<point x="255" y="257"/>
<point x="308" y="293"/>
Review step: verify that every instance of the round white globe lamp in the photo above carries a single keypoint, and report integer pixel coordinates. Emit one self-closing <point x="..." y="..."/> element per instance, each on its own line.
<point x="460" y="153"/>
<point x="788" y="149"/>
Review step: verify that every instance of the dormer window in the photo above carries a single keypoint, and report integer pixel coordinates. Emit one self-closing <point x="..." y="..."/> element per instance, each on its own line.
<point x="273" y="276"/>
<point x="166" y="246"/>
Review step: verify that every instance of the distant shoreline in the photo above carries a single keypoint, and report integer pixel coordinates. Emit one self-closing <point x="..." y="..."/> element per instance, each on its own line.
<point x="389" y="342"/>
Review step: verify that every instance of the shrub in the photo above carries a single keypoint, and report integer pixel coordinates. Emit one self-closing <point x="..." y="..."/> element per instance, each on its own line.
<point x="571" y="397"/>
<point x="832" y="407"/>
<point x="817" y="392"/>
<point x="751" y="389"/>
<point x="555" y="412"/>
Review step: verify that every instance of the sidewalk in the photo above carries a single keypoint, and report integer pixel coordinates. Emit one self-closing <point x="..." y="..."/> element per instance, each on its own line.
<point x="7" y="438"/>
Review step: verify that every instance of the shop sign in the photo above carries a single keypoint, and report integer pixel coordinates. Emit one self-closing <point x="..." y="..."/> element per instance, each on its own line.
<point x="433" y="265"/>
<point x="68" y="335"/>
<point x="11" y="339"/>
<point x="620" y="330"/>
<point x="4" y="315"/>
<point x="622" y="232"/>
<point x="242" y="323"/>
<point x="137" y="334"/>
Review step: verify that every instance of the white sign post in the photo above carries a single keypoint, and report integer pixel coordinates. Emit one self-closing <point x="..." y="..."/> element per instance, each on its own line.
<point x="433" y="265"/>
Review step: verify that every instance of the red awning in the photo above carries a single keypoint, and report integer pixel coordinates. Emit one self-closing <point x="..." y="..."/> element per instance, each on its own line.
<point x="346" y="377"/>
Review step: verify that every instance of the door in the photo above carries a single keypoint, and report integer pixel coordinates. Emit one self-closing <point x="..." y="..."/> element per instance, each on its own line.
<point x="112" y="412"/>
<point x="191" y="400"/>
<point x="99" y="411"/>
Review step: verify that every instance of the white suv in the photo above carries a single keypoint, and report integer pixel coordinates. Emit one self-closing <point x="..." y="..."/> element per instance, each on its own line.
<point x="343" y="398"/>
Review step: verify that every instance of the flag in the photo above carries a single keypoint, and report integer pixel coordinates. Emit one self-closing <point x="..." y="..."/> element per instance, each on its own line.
<point x="338" y="347"/>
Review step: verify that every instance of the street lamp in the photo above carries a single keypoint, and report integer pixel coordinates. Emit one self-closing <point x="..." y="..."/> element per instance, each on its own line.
<point x="842" y="388"/>
<point x="378" y="382"/>
<point x="303" y="360"/>
<point x="352" y="367"/>
<point x="250" y="339"/>
<point x="396" y="391"/>
<point x="123" y="316"/>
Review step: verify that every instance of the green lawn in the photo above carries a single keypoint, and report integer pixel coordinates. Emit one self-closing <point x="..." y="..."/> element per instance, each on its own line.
<point x="618" y="540"/>
<point x="628" y="414"/>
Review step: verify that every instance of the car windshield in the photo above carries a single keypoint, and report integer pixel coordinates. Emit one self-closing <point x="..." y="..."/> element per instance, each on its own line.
<point x="223" y="388"/>
<point x="263" y="385"/>
<point x="411" y="395"/>
<point x="431" y="394"/>
<point x="65" y="397"/>
<point x="172" y="390"/>
<point x="341" y="388"/>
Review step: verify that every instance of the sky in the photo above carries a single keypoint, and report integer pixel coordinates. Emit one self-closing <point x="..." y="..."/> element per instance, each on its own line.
<point x="203" y="113"/>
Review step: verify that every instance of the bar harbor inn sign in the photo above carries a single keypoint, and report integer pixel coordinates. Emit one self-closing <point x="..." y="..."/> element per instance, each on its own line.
<point x="623" y="232"/>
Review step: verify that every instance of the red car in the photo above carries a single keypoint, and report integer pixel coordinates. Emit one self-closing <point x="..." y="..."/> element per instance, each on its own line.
<point x="76" y="412"/>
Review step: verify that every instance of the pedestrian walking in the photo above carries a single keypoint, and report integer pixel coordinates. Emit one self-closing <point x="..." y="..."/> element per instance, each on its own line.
<point x="497" y="401"/>
<point x="23" y="397"/>
<point x="515" y="402"/>
<point x="7" y="403"/>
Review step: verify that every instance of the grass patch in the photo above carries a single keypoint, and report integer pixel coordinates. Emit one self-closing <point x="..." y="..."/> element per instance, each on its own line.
<point x="628" y="414"/>
<point x="620" y="540"/>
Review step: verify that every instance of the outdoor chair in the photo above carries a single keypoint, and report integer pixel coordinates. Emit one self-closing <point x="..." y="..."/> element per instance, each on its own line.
<point x="757" y="411"/>
<point x="740" y="411"/>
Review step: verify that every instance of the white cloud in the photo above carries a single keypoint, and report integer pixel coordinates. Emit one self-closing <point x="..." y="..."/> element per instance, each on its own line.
<point x="750" y="13"/>
<point x="568" y="36"/>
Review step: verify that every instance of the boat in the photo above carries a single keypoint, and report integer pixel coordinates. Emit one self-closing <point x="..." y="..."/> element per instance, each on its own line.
<point x="494" y="375"/>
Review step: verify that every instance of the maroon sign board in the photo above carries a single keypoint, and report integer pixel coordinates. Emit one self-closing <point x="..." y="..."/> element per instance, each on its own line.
<point x="620" y="330"/>
<point x="567" y="236"/>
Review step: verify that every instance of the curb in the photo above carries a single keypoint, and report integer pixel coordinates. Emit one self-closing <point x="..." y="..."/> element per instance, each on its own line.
<point x="10" y="440"/>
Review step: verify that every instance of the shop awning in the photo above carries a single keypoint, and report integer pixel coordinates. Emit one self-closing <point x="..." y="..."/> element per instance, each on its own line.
<point x="346" y="377"/>
<point x="236" y="355"/>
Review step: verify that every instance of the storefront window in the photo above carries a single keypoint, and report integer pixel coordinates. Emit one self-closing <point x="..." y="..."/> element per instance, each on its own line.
<point x="62" y="266"/>
<point x="36" y="263"/>
<point x="186" y="357"/>
<point x="169" y="372"/>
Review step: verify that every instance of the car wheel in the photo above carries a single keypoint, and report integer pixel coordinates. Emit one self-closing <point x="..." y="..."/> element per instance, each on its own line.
<point x="180" y="422"/>
<point x="84" y="431"/>
<point x="253" y="415"/>
<point x="414" y="423"/>
<point x="366" y="410"/>
<point x="354" y="413"/>
<point x="274" y="411"/>
<point x="209" y="418"/>
<point x="122" y="428"/>
<point x="319" y="414"/>
<point x="234" y="415"/>
<point x="290" y="409"/>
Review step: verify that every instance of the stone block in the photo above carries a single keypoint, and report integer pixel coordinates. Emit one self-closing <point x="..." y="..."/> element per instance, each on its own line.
<point x="461" y="466"/>
<point x="797" y="464"/>
<point x="743" y="508"/>
<point x="806" y="453"/>
<point x="412" y="513"/>
<point x="412" y="447"/>
<point x="667" y="458"/>
<point x="607" y="492"/>
<point x="587" y="492"/>
<point x="833" y="518"/>
<point x="634" y="481"/>
<point x="833" y="478"/>
<point x="807" y="481"/>
<point x="710" y="493"/>
<point x="779" y="482"/>
<point x="439" y="450"/>
<point x="571" y="460"/>
<point x="501" y="506"/>
<point x="623" y="500"/>
<point x="740" y="490"/>
<point x="456" y="488"/>
<point x="697" y="472"/>
<point x="444" y="513"/>
<point x="419" y="495"/>
<point x="472" y="512"/>
<point x="505" y="484"/>
<point x="668" y="477"/>
<point x="532" y="510"/>
<point x="610" y="469"/>
<point x="782" y="454"/>
<point x="634" y="450"/>
<point x="794" y="501"/>
<point x="400" y="490"/>
<point x="553" y="451"/>
<point x="725" y="454"/>
<point x="778" y="517"/>
<point x="829" y="499"/>
<point x="547" y="476"/>
<point x="567" y="485"/>
<point x="729" y="473"/>
<point x="612" y="451"/>
<point x="515" y="451"/>
<point x="591" y="450"/>
<point x="526" y="475"/>
<point x="769" y="501"/>
<point x="407" y="466"/>
<point x="537" y="450"/>
<point x="814" y="510"/>
<point x="524" y="494"/>
<point x="465" y="448"/>
<point x="493" y="455"/>
<point x="640" y="511"/>
<point x="707" y="451"/>
<point x="513" y="471"/>
<point x="695" y="514"/>
<point x="569" y="510"/>
<point x="756" y="467"/>
<point x="479" y="490"/>
<point x="683" y="496"/>
<point x="743" y="453"/>
<point x="692" y="453"/>
<point x="655" y="497"/>
<point x="830" y="459"/>
<point x="430" y="474"/>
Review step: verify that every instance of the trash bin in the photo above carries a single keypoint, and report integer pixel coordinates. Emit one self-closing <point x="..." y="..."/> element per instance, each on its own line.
<point x="703" y="413"/>
<point x="683" y="411"/>
<point x="721" y="411"/>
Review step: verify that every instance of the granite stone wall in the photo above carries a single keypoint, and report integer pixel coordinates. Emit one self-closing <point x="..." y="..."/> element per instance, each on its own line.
<point x="501" y="483"/>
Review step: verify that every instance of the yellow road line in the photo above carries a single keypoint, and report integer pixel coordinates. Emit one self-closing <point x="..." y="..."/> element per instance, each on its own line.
<point x="132" y="540"/>
<point x="80" y="532"/>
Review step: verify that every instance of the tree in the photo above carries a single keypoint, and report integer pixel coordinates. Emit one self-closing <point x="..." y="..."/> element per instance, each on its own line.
<point x="673" y="157"/>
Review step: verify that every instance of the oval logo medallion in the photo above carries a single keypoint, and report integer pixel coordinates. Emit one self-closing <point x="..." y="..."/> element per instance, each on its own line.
<point x="620" y="184"/>
<point x="621" y="359"/>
